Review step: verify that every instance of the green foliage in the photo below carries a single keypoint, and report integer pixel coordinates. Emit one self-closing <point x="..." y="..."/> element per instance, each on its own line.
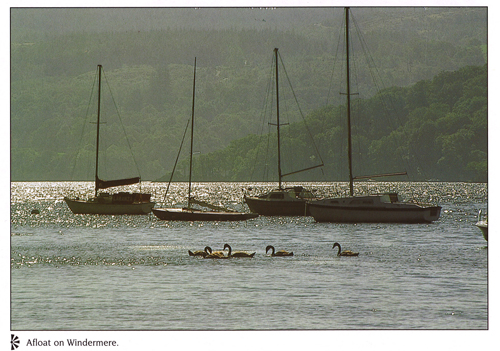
<point x="150" y="75"/>
<point x="434" y="135"/>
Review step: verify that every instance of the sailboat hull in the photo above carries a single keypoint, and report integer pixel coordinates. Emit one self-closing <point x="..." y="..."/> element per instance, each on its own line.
<point x="368" y="210"/>
<point x="281" y="202"/>
<point x="270" y="207"/>
<point x="122" y="203"/>
<point x="483" y="225"/>
<point x="93" y="206"/>
<point x="184" y="214"/>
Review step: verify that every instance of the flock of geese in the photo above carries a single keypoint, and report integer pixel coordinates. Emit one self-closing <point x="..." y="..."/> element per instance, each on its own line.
<point x="209" y="253"/>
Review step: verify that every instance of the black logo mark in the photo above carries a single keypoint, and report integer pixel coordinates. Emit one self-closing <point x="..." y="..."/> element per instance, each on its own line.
<point x="14" y="342"/>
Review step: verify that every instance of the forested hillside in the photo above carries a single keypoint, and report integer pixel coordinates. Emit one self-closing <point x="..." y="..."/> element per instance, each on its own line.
<point x="148" y="56"/>
<point x="435" y="130"/>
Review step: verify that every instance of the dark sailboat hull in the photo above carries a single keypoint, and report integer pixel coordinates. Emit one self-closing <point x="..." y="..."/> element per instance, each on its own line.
<point x="276" y="207"/>
<point x="182" y="214"/>
<point x="327" y="211"/>
<point x="282" y="201"/>
<point x="108" y="208"/>
<point x="122" y="203"/>
<point x="379" y="208"/>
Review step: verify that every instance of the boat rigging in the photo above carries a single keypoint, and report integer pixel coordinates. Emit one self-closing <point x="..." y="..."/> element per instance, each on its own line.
<point x="104" y="203"/>
<point x="188" y="213"/>
<point x="375" y="208"/>
<point x="282" y="201"/>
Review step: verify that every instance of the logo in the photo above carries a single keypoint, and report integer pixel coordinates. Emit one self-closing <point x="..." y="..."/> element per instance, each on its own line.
<point x="14" y="342"/>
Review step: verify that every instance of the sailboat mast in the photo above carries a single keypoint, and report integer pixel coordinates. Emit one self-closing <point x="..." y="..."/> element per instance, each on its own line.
<point x="278" y="119"/>
<point x="98" y="124"/>
<point x="349" y="139"/>
<point x="192" y="133"/>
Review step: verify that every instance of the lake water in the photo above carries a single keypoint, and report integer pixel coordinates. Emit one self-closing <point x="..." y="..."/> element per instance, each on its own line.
<point x="87" y="272"/>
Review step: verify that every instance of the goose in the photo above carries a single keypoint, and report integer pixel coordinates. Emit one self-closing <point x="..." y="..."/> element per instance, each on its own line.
<point x="237" y="253"/>
<point x="279" y="252"/>
<point x="344" y="253"/>
<point x="214" y="254"/>
<point x="203" y="253"/>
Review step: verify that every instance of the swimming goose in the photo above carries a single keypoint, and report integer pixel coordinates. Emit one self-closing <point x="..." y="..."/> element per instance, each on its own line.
<point x="203" y="253"/>
<point x="237" y="253"/>
<point x="279" y="252"/>
<point x="344" y="253"/>
<point x="214" y="254"/>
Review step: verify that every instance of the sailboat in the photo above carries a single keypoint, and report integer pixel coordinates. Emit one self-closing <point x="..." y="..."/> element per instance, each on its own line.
<point x="282" y="201"/>
<point x="122" y="203"/>
<point x="378" y="208"/>
<point x="482" y="223"/>
<point x="190" y="214"/>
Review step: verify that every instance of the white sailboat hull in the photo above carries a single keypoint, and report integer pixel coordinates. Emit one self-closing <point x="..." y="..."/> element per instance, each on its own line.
<point x="94" y="207"/>
<point x="483" y="225"/>
<point x="371" y="209"/>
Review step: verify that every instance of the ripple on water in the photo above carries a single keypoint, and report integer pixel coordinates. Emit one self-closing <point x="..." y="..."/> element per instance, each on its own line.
<point x="134" y="272"/>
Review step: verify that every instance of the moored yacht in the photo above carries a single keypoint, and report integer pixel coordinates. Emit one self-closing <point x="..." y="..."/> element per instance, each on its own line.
<point x="376" y="208"/>
<point x="281" y="202"/>
<point x="289" y="201"/>
<point x="379" y="208"/>
<point x="482" y="223"/>
<point x="121" y="203"/>
<point x="189" y="213"/>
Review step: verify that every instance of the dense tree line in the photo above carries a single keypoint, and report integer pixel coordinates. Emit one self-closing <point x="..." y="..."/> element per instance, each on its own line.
<point x="434" y="130"/>
<point x="150" y="76"/>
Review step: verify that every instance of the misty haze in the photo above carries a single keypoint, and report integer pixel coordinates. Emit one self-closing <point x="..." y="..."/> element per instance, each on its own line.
<point x="147" y="56"/>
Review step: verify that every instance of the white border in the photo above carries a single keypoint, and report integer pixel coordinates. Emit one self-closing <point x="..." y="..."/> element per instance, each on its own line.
<point x="290" y="340"/>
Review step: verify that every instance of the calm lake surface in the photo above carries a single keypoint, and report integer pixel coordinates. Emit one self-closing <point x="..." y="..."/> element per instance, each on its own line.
<point x="89" y="272"/>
